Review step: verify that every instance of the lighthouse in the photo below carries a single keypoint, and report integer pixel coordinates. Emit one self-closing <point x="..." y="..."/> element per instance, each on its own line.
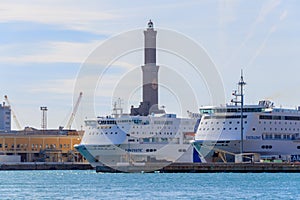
<point x="149" y="105"/>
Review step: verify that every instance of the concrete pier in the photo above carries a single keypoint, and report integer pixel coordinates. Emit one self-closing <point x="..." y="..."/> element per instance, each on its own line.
<point x="45" y="166"/>
<point x="222" y="167"/>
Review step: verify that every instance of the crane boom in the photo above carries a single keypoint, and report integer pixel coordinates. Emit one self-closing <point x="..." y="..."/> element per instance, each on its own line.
<point x="13" y="113"/>
<point x="75" y="108"/>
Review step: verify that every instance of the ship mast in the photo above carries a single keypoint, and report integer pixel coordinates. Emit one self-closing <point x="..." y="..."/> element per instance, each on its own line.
<point x="240" y="93"/>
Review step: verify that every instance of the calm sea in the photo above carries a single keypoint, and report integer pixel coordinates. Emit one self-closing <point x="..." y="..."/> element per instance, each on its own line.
<point x="91" y="185"/>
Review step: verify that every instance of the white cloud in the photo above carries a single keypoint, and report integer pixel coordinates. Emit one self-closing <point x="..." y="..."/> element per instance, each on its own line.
<point x="79" y="16"/>
<point x="47" y="52"/>
<point x="267" y="9"/>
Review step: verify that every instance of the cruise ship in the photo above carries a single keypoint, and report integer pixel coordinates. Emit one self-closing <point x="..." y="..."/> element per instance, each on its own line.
<point x="147" y="142"/>
<point x="268" y="132"/>
<point x="147" y="139"/>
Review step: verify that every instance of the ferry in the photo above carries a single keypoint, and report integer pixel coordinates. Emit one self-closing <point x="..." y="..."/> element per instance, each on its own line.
<point x="227" y="133"/>
<point x="145" y="142"/>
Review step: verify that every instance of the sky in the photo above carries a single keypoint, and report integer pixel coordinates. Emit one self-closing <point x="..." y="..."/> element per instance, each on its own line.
<point x="44" y="45"/>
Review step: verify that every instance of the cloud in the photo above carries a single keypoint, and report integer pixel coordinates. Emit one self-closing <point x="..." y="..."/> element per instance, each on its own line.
<point x="79" y="16"/>
<point x="227" y="10"/>
<point x="48" y="52"/>
<point x="267" y="9"/>
<point x="283" y="15"/>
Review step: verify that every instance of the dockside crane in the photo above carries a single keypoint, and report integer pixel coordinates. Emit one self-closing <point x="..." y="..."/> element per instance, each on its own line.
<point x="13" y="113"/>
<point x="75" y="108"/>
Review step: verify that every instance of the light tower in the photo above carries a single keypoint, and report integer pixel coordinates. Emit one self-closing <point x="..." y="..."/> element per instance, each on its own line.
<point x="44" y="110"/>
<point x="150" y="75"/>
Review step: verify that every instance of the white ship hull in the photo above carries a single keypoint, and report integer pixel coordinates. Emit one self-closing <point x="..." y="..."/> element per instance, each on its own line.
<point x="149" y="141"/>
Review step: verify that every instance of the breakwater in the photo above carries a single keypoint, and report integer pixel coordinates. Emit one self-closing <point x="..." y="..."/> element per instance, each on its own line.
<point x="220" y="167"/>
<point x="45" y="166"/>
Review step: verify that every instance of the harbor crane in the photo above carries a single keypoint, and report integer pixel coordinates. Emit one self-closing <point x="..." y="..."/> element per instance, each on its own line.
<point x="13" y="113"/>
<point x="75" y="108"/>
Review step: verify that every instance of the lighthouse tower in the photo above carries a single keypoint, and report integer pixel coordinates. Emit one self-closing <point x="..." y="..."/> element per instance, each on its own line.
<point x="149" y="104"/>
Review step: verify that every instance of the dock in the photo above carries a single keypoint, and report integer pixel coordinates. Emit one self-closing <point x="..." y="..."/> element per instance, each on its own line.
<point x="45" y="166"/>
<point x="221" y="168"/>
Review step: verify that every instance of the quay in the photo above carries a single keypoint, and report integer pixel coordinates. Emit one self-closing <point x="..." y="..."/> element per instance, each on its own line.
<point x="45" y="166"/>
<point x="220" y="167"/>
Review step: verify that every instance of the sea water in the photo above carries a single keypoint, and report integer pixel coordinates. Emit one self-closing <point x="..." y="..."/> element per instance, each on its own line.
<point x="88" y="184"/>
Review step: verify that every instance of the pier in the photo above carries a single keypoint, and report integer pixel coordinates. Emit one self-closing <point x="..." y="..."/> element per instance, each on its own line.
<point x="45" y="166"/>
<point x="221" y="167"/>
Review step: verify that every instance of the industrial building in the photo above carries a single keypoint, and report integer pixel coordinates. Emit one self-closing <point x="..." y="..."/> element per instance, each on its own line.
<point x="34" y="145"/>
<point x="37" y="145"/>
<point x="5" y="118"/>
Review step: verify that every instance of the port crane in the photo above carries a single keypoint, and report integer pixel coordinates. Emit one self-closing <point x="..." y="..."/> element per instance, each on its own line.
<point x="13" y="113"/>
<point x="75" y="108"/>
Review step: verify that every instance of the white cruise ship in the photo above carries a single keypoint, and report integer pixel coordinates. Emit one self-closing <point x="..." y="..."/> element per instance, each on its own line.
<point x="146" y="141"/>
<point x="269" y="132"/>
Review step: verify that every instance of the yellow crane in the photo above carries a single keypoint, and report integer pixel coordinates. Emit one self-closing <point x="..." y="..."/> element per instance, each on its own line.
<point x="13" y="113"/>
<point x="75" y="108"/>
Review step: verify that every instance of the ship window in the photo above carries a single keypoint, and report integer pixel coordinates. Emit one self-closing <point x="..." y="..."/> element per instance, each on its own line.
<point x="238" y="122"/>
<point x="229" y="128"/>
<point x="224" y="128"/>
<point x="235" y="128"/>
<point x="230" y="122"/>
<point x="253" y="129"/>
<point x="298" y="147"/>
<point x="277" y="136"/>
<point x="245" y="122"/>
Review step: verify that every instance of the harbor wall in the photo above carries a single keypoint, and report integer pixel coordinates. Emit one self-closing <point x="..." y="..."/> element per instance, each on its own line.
<point x="222" y="167"/>
<point x="45" y="166"/>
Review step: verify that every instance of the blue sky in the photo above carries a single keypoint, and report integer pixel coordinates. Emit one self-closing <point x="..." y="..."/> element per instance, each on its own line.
<point x="44" y="43"/>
